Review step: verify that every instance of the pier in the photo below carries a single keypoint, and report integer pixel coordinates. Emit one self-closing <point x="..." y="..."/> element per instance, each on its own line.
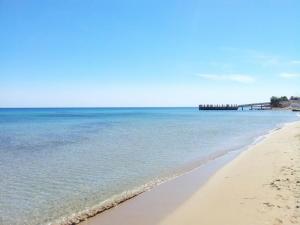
<point x="252" y="106"/>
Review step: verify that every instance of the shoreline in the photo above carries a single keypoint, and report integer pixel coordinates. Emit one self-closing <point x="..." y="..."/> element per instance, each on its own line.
<point x="151" y="206"/>
<point x="260" y="186"/>
<point x="108" y="213"/>
<point x="216" y="160"/>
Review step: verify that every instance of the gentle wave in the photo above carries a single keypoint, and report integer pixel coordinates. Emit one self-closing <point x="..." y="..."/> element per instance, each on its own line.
<point x="108" y="204"/>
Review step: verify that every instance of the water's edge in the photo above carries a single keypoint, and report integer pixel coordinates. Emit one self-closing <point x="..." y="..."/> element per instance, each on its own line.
<point x="115" y="200"/>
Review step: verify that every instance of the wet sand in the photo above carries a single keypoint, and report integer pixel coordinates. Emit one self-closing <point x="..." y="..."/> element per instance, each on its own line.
<point x="260" y="186"/>
<point x="152" y="206"/>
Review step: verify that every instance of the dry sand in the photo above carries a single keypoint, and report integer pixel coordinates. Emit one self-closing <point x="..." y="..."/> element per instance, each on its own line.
<point x="261" y="186"/>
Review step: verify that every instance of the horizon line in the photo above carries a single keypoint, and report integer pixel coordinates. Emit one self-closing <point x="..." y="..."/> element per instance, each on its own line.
<point x="91" y="107"/>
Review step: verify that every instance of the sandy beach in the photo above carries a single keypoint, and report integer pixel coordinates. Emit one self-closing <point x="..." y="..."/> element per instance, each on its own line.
<point x="261" y="186"/>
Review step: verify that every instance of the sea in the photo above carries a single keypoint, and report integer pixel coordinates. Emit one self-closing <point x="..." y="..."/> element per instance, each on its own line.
<point x="60" y="165"/>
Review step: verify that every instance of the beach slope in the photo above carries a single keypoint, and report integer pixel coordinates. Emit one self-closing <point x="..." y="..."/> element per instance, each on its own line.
<point x="261" y="186"/>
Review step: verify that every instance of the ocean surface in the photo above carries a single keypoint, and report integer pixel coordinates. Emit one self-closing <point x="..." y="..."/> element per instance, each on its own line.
<point x="56" y="164"/>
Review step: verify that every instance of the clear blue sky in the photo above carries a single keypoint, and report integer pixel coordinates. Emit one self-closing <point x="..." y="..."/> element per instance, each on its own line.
<point x="147" y="53"/>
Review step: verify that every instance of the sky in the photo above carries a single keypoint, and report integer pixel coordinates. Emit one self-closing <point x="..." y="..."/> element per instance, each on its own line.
<point x="118" y="53"/>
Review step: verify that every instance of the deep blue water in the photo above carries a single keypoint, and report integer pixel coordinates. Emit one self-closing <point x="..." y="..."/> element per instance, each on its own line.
<point x="55" y="162"/>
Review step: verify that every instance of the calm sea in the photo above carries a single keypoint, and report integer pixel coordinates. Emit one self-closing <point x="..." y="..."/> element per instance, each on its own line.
<point x="55" y="163"/>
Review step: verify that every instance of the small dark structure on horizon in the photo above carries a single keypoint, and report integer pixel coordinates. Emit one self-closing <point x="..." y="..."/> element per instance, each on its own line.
<point x="252" y="106"/>
<point x="218" y="107"/>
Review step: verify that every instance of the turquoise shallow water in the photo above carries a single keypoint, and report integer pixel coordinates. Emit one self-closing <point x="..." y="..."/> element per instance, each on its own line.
<point x="57" y="162"/>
